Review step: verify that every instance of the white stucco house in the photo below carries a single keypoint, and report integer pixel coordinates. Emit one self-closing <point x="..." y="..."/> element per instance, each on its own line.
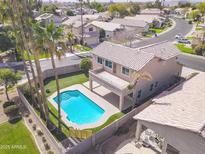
<point x="114" y="66"/>
<point x="177" y="115"/>
<point x="46" y="18"/>
<point x="151" y="11"/>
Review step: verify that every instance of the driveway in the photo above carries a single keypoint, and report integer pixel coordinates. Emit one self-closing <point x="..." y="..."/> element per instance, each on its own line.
<point x="182" y="27"/>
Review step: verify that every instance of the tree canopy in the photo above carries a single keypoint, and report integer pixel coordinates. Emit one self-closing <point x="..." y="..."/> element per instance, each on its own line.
<point x="97" y="6"/>
<point x="201" y="7"/>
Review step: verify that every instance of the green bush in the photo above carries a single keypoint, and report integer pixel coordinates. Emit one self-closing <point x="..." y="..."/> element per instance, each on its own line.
<point x="8" y="103"/>
<point x="48" y="91"/>
<point x="39" y="132"/>
<point x="30" y="121"/>
<point x="43" y="139"/>
<point x="85" y="65"/>
<point x="34" y="126"/>
<point x="200" y="49"/>
<point x="47" y="147"/>
<point x="27" y="90"/>
<point x="11" y="109"/>
<point x="50" y="152"/>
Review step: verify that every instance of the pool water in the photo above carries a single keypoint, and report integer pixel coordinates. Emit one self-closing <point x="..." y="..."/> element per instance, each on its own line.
<point x="79" y="108"/>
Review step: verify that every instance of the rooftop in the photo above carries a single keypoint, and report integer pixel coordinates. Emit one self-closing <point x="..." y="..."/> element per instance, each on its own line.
<point x="107" y="26"/>
<point x="151" y="11"/>
<point x="44" y="16"/>
<point x="130" y="22"/>
<point x="182" y="107"/>
<point x="146" y="18"/>
<point x="135" y="59"/>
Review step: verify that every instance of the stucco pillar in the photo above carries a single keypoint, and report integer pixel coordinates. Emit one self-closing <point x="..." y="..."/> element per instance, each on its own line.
<point x="121" y="102"/>
<point x="138" y="130"/>
<point x="91" y="84"/>
<point x="164" y="147"/>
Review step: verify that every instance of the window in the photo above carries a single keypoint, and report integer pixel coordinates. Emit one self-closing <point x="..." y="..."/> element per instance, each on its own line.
<point x="125" y="71"/>
<point x="139" y="94"/>
<point x="100" y="60"/>
<point x="108" y="63"/>
<point x="156" y="84"/>
<point x="131" y="95"/>
<point x="90" y="29"/>
<point x="151" y="87"/>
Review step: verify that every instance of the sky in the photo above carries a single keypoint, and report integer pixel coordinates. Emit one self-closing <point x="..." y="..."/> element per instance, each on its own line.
<point x="120" y="0"/>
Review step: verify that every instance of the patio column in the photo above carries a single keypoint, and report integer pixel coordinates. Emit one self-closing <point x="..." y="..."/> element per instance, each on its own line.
<point x="164" y="147"/>
<point x="138" y="130"/>
<point x="91" y="84"/>
<point x="121" y="102"/>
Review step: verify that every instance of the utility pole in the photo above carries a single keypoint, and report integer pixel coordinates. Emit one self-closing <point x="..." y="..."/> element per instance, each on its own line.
<point x="82" y="28"/>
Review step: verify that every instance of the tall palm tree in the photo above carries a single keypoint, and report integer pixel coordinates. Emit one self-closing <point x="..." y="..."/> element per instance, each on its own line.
<point x="136" y="76"/>
<point x="70" y="38"/>
<point x="22" y="19"/>
<point x="51" y="36"/>
<point x="81" y="19"/>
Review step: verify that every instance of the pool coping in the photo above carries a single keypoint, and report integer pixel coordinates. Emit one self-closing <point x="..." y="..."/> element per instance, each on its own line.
<point x="101" y="102"/>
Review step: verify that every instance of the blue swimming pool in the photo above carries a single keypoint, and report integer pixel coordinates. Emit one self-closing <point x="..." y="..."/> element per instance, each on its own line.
<point x="79" y="108"/>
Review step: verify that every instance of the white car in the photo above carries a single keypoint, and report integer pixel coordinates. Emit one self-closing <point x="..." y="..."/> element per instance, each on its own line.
<point x="178" y="36"/>
<point x="184" y="40"/>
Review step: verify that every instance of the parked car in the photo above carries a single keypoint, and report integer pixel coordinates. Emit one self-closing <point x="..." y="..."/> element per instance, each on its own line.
<point x="178" y="36"/>
<point x="184" y="40"/>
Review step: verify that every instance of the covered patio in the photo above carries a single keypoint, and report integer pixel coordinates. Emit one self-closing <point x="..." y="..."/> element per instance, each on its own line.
<point x="114" y="84"/>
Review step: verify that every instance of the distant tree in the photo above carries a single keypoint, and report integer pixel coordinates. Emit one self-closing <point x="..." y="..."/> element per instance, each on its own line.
<point x="135" y="8"/>
<point x="149" y="5"/>
<point x="195" y="14"/>
<point x="8" y="78"/>
<point x="85" y="65"/>
<point x="121" y="8"/>
<point x="183" y="5"/>
<point x="97" y="6"/>
<point x="49" y="9"/>
<point x="70" y="12"/>
<point x="201" y="7"/>
<point x="157" y="4"/>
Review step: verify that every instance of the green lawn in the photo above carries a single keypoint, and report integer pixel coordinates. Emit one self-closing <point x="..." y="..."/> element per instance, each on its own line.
<point x="16" y="134"/>
<point x="199" y="28"/>
<point x="109" y="121"/>
<point x="157" y="30"/>
<point x="81" y="48"/>
<point x="65" y="81"/>
<point x="41" y="56"/>
<point x="183" y="48"/>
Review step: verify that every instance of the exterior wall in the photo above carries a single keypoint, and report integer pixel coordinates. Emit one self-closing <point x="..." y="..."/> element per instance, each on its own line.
<point x="92" y="40"/>
<point x="185" y="141"/>
<point x="163" y="72"/>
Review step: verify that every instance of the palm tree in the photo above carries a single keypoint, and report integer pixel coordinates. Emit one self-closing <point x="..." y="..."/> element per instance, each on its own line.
<point x="21" y="19"/>
<point x="81" y="19"/>
<point x="136" y="76"/>
<point x="70" y="38"/>
<point x="52" y="37"/>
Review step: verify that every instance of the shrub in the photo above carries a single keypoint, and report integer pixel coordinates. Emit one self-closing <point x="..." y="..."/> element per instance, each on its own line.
<point x="30" y="121"/>
<point x="8" y="103"/>
<point x="190" y="22"/>
<point x="11" y="109"/>
<point x="27" y="90"/>
<point x="85" y="65"/>
<point x="34" y="126"/>
<point x="47" y="147"/>
<point x="39" y="132"/>
<point x="48" y="91"/>
<point x="50" y="152"/>
<point x="200" y="49"/>
<point x="43" y="139"/>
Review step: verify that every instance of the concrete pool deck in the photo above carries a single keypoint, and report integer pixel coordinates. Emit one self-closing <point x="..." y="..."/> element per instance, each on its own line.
<point x="108" y="107"/>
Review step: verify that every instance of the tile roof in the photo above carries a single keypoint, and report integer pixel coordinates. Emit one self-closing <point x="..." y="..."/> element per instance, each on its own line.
<point x="146" y="18"/>
<point x="130" y="22"/>
<point x="107" y="26"/>
<point x="123" y="55"/>
<point x="182" y="107"/>
<point x="164" y="50"/>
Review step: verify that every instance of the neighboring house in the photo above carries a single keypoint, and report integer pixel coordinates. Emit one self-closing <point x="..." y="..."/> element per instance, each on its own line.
<point x="114" y="65"/>
<point x="171" y="3"/>
<point x="151" y="11"/>
<point x="112" y="31"/>
<point x="46" y="18"/>
<point x="177" y="115"/>
<point x="135" y="26"/>
<point x="149" y="19"/>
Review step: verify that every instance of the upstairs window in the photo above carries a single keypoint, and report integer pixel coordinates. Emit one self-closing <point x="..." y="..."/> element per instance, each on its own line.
<point x="151" y="87"/>
<point x="125" y="71"/>
<point x="99" y="60"/>
<point x="139" y="94"/>
<point x="90" y="29"/>
<point x="108" y="64"/>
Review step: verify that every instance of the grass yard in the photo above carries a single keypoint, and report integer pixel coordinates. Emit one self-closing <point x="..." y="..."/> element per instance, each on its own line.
<point x="16" y="134"/>
<point x="157" y="30"/>
<point x="41" y="56"/>
<point x="109" y="121"/>
<point x="81" y="48"/>
<point x="183" y="48"/>
<point x="65" y="81"/>
<point x="199" y="28"/>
